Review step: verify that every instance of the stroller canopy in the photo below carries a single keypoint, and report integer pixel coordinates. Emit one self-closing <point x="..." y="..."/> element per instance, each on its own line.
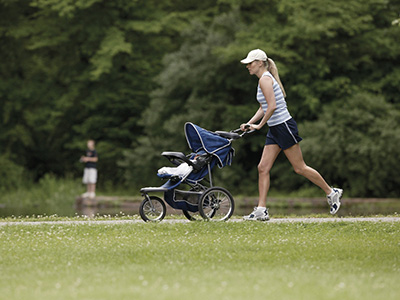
<point x="201" y="139"/>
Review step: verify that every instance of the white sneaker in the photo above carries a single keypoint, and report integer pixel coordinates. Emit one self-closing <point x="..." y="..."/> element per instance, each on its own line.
<point x="257" y="215"/>
<point x="334" y="200"/>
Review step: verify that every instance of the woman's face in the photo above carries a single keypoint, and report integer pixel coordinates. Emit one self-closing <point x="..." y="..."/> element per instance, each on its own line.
<point x="254" y="67"/>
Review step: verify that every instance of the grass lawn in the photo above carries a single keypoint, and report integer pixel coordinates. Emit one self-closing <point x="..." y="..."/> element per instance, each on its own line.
<point x="201" y="260"/>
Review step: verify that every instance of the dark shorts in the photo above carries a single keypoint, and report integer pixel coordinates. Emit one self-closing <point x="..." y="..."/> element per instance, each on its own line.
<point x="284" y="135"/>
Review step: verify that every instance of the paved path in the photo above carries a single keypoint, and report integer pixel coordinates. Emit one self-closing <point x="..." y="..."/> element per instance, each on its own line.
<point x="174" y="221"/>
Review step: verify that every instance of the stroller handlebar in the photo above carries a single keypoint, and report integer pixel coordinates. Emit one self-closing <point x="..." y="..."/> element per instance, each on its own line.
<point x="234" y="134"/>
<point x="243" y="132"/>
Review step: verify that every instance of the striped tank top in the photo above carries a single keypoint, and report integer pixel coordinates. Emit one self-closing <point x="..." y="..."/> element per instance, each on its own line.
<point x="281" y="113"/>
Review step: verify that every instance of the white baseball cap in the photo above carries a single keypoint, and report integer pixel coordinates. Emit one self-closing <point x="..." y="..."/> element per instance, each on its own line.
<point x="253" y="55"/>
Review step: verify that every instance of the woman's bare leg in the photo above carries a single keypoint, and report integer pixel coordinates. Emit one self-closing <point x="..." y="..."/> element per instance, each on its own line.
<point x="269" y="155"/>
<point x="295" y="157"/>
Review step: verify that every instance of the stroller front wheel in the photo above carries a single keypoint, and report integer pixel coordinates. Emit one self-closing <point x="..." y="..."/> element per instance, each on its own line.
<point x="216" y="204"/>
<point x="152" y="209"/>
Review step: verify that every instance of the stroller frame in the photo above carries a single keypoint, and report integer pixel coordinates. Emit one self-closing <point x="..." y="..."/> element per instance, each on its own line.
<point x="201" y="201"/>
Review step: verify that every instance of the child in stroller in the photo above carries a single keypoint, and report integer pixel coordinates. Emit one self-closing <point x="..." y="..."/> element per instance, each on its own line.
<point x="183" y="169"/>
<point x="200" y="197"/>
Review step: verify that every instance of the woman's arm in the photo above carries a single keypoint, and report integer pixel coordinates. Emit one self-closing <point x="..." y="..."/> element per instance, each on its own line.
<point x="257" y="116"/>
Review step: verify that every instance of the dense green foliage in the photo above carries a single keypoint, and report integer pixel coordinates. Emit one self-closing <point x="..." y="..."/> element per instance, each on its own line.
<point x="50" y="195"/>
<point x="205" y="260"/>
<point x="366" y="143"/>
<point x="129" y="74"/>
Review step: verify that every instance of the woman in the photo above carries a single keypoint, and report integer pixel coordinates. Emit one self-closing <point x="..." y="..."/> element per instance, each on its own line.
<point x="282" y="134"/>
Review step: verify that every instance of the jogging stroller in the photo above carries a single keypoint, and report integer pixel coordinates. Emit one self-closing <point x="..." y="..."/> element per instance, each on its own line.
<point x="200" y="199"/>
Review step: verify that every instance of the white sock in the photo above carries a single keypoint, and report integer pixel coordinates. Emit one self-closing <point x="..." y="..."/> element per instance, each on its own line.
<point x="261" y="208"/>
<point x="331" y="194"/>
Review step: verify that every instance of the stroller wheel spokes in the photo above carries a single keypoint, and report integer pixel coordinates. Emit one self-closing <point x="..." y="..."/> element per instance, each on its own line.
<point x="216" y="204"/>
<point x="152" y="209"/>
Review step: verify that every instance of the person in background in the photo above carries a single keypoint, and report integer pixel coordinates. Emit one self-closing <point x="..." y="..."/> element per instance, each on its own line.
<point x="283" y="134"/>
<point x="90" y="171"/>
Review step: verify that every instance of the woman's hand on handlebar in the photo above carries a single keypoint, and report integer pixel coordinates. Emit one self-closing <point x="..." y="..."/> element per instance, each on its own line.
<point x="243" y="127"/>
<point x="248" y="127"/>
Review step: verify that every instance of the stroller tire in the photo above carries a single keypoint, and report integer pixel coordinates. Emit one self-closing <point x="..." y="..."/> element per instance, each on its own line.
<point x="216" y="204"/>
<point x="152" y="209"/>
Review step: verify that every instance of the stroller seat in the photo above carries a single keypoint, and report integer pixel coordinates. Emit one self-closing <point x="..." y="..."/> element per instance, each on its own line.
<point x="177" y="158"/>
<point x="182" y="171"/>
<point x="196" y="160"/>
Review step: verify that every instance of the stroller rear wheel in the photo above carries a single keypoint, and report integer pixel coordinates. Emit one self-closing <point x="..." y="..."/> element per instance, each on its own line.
<point x="216" y="204"/>
<point x="152" y="209"/>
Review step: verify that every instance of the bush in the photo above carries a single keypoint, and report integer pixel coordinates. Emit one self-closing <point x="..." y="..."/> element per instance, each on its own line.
<point x="11" y="174"/>
<point x="51" y="195"/>
<point x="357" y="146"/>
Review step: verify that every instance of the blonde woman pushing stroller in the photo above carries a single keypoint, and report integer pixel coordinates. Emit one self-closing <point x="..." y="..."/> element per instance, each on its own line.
<point x="282" y="135"/>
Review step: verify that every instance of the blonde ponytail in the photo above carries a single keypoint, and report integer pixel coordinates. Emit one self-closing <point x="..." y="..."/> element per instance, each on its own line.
<point x="271" y="67"/>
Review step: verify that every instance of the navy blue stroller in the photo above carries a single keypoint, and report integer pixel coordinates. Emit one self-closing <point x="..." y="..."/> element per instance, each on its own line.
<point x="200" y="199"/>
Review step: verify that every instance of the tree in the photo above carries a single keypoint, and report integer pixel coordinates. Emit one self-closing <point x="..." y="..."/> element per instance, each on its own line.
<point x="73" y="70"/>
<point x="191" y="89"/>
<point x="356" y="144"/>
<point x="325" y="53"/>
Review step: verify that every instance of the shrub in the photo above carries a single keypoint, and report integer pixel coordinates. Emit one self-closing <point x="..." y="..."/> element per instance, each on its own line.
<point x="11" y="174"/>
<point x="357" y="146"/>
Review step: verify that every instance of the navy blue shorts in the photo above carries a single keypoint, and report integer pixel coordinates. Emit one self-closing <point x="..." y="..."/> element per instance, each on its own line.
<point x="284" y="135"/>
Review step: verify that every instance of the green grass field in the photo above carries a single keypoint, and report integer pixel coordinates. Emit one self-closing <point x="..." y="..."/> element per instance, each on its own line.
<point x="200" y="260"/>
